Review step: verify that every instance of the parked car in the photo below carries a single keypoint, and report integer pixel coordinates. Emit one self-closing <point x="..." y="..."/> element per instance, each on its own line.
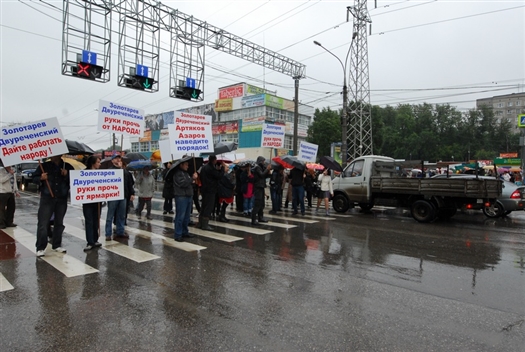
<point x="512" y="197"/>
<point x="24" y="173"/>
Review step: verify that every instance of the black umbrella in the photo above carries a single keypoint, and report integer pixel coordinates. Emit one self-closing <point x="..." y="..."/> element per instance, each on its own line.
<point x="133" y="157"/>
<point x="330" y="163"/>
<point x="245" y="162"/>
<point x="294" y="161"/>
<point x="224" y="147"/>
<point x="77" y="148"/>
<point x="191" y="168"/>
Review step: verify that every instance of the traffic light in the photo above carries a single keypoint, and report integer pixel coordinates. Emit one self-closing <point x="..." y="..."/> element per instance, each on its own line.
<point x="140" y="82"/>
<point x="187" y="93"/>
<point x="87" y="71"/>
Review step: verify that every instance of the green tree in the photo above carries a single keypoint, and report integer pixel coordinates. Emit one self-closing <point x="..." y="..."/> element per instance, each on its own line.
<point x="324" y="130"/>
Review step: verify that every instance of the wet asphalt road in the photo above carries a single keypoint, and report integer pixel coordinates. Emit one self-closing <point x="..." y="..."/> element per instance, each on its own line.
<point x="365" y="282"/>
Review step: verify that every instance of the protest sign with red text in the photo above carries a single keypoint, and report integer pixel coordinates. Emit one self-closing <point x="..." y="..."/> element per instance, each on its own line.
<point x="191" y="133"/>
<point x="272" y="136"/>
<point x="90" y="186"/>
<point x="118" y="118"/>
<point x="35" y="140"/>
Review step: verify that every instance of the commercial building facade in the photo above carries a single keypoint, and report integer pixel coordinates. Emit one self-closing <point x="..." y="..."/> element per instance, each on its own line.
<point x="238" y="116"/>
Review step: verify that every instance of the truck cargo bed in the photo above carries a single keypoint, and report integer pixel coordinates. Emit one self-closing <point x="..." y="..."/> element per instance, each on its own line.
<point x="450" y="187"/>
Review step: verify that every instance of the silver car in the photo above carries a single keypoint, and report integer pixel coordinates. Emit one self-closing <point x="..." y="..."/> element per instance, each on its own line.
<point x="512" y="197"/>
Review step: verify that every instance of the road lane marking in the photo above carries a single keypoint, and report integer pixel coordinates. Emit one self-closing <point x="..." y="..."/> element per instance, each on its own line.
<point x="203" y="233"/>
<point x="116" y="247"/>
<point x="289" y="218"/>
<point x="270" y="223"/>
<point x="4" y="284"/>
<point x="252" y="230"/>
<point x="64" y="263"/>
<point x="185" y="246"/>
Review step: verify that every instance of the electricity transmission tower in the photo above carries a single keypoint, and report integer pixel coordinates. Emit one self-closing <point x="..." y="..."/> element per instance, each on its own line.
<point x="359" y="132"/>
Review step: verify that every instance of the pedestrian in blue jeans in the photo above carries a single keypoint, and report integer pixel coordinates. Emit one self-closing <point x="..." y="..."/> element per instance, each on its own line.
<point x="118" y="208"/>
<point x="183" y="193"/>
<point x="91" y="212"/>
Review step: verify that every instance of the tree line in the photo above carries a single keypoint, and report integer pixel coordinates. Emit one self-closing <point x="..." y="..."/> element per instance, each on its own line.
<point x="425" y="132"/>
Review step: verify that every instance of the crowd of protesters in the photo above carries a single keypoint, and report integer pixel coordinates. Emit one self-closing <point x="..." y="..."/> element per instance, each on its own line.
<point x="211" y="189"/>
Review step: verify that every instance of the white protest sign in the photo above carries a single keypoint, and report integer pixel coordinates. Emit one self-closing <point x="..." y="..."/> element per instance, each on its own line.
<point x="272" y="136"/>
<point x="90" y="186"/>
<point x="120" y="118"/>
<point x="191" y="133"/>
<point x="307" y="151"/>
<point x="166" y="152"/>
<point x="35" y="140"/>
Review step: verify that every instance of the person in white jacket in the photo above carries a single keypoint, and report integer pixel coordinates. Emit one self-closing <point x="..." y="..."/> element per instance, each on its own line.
<point x="325" y="183"/>
<point x="146" y="186"/>
<point x="8" y="191"/>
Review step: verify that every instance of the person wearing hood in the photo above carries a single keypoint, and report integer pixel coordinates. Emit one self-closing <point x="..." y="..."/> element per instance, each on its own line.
<point x="260" y="173"/>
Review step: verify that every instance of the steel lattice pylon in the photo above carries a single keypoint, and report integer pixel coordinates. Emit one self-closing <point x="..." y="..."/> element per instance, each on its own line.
<point x="359" y="120"/>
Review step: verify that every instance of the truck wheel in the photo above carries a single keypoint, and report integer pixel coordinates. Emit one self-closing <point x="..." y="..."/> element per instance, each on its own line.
<point x="423" y="211"/>
<point x="494" y="211"/>
<point x="340" y="203"/>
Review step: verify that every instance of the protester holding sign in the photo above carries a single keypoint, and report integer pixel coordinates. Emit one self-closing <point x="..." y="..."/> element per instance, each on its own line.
<point x="53" y="178"/>
<point x="92" y="212"/>
<point x="117" y="208"/>
<point x="8" y="191"/>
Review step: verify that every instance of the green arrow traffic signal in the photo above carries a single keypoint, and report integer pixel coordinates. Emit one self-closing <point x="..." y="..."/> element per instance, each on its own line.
<point x="195" y="94"/>
<point x="146" y="84"/>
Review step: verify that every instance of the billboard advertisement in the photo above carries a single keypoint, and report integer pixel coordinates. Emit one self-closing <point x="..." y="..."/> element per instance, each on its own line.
<point x="231" y="92"/>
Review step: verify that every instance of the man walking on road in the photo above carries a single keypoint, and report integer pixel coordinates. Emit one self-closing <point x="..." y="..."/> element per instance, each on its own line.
<point x="53" y="178"/>
<point x="260" y="174"/>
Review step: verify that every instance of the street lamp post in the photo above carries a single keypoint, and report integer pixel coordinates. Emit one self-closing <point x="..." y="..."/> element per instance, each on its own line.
<point x="344" y="113"/>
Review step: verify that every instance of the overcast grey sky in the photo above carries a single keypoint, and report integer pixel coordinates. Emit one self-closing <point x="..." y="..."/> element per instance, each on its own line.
<point x="419" y="51"/>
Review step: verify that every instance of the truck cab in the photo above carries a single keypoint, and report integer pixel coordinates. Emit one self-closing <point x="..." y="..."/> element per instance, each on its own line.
<point x="352" y="183"/>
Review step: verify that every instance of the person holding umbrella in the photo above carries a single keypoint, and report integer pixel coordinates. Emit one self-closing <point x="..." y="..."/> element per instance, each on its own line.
<point x="91" y="212"/>
<point x="183" y="193"/>
<point x="325" y="182"/>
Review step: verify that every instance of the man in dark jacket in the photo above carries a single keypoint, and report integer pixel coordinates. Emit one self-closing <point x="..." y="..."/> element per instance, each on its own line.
<point x="53" y="178"/>
<point x="210" y="175"/>
<point x="297" y="180"/>
<point x="276" y="190"/>
<point x="183" y="193"/>
<point x="260" y="173"/>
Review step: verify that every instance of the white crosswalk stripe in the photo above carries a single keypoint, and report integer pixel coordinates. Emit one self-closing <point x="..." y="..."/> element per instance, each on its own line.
<point x="64" y="263"/>
<point x="185" y="246"/>
<point x="116" y="247"/>
<point x="203" y="233"/>
<point x="252" y="230"/>
<point x="270" y="223"/>
<point x="4" y="284"/>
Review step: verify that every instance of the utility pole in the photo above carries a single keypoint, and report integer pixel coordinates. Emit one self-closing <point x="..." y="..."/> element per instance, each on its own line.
<point x="359" y="134"/>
